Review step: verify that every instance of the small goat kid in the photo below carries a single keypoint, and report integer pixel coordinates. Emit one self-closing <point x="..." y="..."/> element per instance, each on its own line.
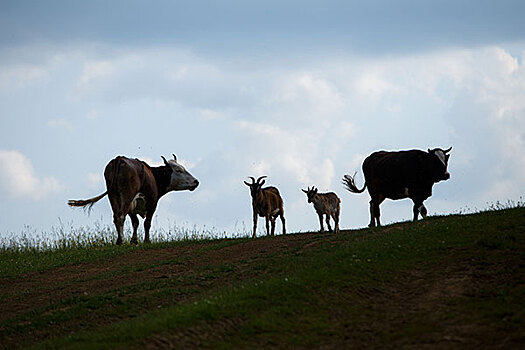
<point x="325" y="204"/>
<point x="267" y="203"/>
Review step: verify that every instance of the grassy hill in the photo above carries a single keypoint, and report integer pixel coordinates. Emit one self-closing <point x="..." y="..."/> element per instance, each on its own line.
<point x="443" y="282"/>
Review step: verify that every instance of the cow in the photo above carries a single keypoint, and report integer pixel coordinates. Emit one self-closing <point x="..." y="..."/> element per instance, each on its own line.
<point x="401" y="174"/>
<point x="134" y="188"/>
<point x="325" y="204"/>
<point x="267" y="203"/>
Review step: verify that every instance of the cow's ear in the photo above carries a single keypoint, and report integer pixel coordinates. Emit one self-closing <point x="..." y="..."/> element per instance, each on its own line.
<point x="165" y="161"/>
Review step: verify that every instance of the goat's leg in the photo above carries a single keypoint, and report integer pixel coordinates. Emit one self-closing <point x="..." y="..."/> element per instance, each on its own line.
<point x="335" y="216"/>
<point x="283" y="221"/>
<point x="254" y="224"/>
<point x="321" y="222"/>
<point x="273" y="225"/>
<point x="267" y="225"/>
<point x="328" y="222"/>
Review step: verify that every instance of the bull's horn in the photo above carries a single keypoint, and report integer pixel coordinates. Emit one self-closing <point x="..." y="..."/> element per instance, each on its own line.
<point x="447" y="150"/>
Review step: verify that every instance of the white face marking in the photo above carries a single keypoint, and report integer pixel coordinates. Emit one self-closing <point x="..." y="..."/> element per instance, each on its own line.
<point x="441" y="155"/>
<point x="181" y="179"/>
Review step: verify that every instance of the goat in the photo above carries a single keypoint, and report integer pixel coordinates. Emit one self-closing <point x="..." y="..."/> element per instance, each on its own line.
<point x="325" y="204"/>
<point x="267" y="203"/>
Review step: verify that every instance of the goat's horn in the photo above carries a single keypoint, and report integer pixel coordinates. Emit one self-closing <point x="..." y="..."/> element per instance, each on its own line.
<point x="447" y="150"/>
<point x="260" y="178"/>
<point x="164" y="159"/>
<point x="305" y="191"/>
<point x="253" y="179"/>
<point x="174" y="157"/>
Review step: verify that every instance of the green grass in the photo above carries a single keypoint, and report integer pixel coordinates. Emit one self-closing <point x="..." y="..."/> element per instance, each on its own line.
<point x="385" y="287"/>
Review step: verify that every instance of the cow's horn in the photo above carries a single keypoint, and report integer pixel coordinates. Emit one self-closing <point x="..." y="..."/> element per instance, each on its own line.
<point x="447" y="150"/>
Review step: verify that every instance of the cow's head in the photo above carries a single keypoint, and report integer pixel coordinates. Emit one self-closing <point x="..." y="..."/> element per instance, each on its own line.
<point x="310" y="193"/>
<point x="440" y="163"/>
<point x="255" y="186"/>
<point x="181" y="179"/>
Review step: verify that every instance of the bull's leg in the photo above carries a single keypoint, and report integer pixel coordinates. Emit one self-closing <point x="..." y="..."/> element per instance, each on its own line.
<point x="419" y="208"/>
<point x="118" y="220"/>
<point x="372" y="215"/>
<point x="321" y="222"/>
<point x="328" y="222"/>
<point x="135" y="224"/>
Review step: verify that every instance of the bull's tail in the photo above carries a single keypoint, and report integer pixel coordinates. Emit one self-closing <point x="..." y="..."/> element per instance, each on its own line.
<point x="86" y="203"/>
<point x="349" y="184"/>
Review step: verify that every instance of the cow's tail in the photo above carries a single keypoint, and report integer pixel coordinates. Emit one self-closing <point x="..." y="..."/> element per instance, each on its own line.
<point x="86" y="203"/>
<point x="349" y="184"/>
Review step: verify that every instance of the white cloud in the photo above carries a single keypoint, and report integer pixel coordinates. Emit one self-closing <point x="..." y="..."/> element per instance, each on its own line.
<point x="19" y="180"/>
<point x="21" y="76"/>
<point x="60" y="123"/>
<point x="94" y="73"/>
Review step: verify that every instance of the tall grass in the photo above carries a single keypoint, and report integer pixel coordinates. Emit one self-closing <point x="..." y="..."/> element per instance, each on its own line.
<point x="31" y="251"/>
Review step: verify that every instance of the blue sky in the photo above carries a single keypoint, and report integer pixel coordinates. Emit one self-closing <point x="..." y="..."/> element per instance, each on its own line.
<point x="299" y="91"/>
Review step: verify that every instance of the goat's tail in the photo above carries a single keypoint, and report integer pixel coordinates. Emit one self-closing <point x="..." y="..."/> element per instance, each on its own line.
<point x="86" y="203"/>
<point x="349" y="184"/>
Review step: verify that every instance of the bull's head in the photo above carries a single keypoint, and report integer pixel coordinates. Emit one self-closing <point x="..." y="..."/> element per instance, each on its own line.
<point x="310" y="193"/>
<point x="181" y="179"/>
<point x="442" y="163"/>
<point x="255" y="186"/>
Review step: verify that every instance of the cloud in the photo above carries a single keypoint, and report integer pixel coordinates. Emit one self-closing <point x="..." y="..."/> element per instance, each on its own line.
<point x="20" y="76"/>
<point x="18" y="178"/>
<point x="60" y="123"/>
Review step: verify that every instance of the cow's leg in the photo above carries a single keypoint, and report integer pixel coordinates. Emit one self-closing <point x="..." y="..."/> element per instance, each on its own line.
<point x="328" y="222"/>
<point x="118" y="220"/>
<point x="321" y="222"/>
<point x="254" y="224"/>
<point x="135" y="224"/>
<point x="283" y="221"/>
<point x="147" y="226"/>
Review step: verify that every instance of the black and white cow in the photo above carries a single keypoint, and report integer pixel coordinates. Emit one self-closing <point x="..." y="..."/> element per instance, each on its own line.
<point x="402" y="174"/>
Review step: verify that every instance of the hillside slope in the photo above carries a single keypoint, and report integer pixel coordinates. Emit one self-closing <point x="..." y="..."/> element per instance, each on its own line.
<point x="444" y="282"/>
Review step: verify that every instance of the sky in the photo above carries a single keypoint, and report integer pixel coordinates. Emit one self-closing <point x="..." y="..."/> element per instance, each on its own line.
<point x="300" y="91"/>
